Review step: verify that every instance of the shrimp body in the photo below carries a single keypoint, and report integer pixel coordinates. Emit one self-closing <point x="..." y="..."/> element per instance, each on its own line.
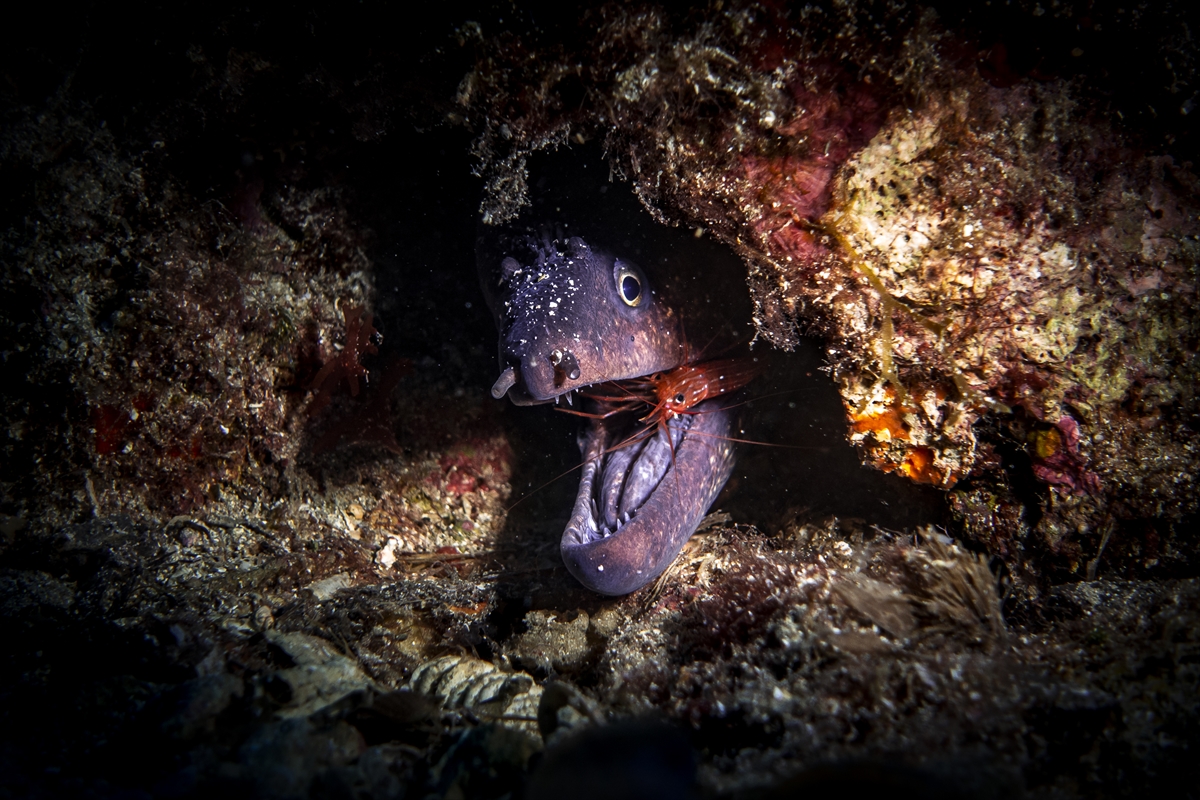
<point x="673" y="392"/>
<point x="679" y="390"/>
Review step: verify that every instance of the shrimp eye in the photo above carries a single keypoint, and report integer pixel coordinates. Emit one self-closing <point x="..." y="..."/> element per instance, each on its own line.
<point x="679" y="398"/>
<point x="631" y="283"/>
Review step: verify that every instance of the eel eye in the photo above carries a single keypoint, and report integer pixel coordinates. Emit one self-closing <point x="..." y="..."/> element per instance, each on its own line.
<point x="631" y="283"/>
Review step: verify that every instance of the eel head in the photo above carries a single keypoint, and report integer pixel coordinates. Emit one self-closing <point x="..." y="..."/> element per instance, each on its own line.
<point x="575" y="316"/>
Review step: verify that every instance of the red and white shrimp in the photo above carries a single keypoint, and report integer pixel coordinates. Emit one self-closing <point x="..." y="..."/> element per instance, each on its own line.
<point x="674" y="392"/>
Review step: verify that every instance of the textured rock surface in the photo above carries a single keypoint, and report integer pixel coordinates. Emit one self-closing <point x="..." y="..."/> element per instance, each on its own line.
<point x="208" y="584"/>
<point x="999" y="268"/>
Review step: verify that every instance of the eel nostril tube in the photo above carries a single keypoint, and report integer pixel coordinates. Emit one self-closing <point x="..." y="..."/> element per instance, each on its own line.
<point x="505" y="382"/>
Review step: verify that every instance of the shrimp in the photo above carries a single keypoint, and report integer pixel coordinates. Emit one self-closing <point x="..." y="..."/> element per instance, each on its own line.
<point x="674" y="392"/>
<point x="679" y="390"/>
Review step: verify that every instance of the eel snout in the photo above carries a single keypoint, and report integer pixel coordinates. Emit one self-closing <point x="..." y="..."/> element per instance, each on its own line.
<point x="638" y="504"/>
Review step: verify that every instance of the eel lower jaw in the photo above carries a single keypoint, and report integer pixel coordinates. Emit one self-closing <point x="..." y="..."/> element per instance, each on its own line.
<point x="520" y="397"/>
<point x="615" y="548"/>
<point x="584" y="527"/>
<point x="626" y="462"/>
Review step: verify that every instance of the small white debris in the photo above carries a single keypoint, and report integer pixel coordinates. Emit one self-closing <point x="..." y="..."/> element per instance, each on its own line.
<point x="325" y="589"/>
<point x="386" y="556"/>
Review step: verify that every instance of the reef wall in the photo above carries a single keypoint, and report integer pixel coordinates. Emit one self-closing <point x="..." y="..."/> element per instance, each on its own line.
<point x="1003" y="273"/>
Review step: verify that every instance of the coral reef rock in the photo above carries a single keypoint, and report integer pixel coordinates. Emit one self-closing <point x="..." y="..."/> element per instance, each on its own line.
<point x="995" y="266"/>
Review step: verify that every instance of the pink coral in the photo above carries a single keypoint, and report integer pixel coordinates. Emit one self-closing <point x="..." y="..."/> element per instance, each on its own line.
<point x="1057" y="460"/>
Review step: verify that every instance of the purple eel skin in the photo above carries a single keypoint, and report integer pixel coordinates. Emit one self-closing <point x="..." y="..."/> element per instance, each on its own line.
<point x="570" y="316"/>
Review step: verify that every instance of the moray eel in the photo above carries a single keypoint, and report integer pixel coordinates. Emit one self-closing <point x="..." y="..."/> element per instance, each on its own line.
<point x="571" y="315"/>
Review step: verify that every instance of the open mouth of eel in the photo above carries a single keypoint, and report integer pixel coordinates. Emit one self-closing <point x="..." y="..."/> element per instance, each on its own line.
<point x="643" y="491"/>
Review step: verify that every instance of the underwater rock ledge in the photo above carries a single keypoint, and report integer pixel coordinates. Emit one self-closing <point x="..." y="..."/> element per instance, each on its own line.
<point x="1003" y="276"/>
